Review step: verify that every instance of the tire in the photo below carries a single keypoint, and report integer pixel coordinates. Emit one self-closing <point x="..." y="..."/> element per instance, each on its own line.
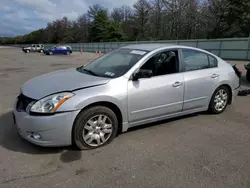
<point x="67" y="53"/>
<point x="214" y="106"/>
<point x="85" y="136"/>
<point x="50" y="53"/>
<point x="248" y="75"/>
<point x="27" y="51"/>
<point x="41" y="51"/>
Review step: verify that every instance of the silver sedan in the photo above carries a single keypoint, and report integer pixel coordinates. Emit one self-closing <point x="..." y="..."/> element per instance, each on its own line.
<point x="89" y="105"/>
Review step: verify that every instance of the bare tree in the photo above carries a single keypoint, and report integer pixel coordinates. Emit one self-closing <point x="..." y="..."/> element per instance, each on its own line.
<point x="141" y="18"/>
<point x="157" y="18"/>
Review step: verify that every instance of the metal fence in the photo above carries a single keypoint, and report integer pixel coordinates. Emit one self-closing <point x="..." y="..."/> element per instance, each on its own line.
<point x="233" y="48"/>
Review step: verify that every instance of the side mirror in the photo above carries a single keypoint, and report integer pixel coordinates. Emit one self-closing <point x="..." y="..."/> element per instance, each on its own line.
<point x="142" y="73"/>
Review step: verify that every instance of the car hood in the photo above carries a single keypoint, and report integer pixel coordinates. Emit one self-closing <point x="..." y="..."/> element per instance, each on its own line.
<point x="59" y="81"/>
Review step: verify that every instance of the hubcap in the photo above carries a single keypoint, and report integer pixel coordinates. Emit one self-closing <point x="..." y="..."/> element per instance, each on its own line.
<point x="97" y="130"/>
<point x="220" y="100"/>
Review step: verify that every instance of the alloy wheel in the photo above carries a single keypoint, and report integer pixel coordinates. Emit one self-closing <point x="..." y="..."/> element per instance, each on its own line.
<point x="97" y="130"/>
<point x="220" y="100"/>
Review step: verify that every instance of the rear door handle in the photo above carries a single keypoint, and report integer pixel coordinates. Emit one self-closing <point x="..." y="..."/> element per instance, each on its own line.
<point x="177" y="84"/>
<point x="215" y="76"/>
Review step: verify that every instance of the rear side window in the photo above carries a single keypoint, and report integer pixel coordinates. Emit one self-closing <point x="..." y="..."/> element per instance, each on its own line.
<point x="195" y="60"/>
<point x="212" y="61"/>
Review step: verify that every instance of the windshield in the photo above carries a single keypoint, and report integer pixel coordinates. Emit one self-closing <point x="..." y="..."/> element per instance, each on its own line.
<point x="113" y="64"/>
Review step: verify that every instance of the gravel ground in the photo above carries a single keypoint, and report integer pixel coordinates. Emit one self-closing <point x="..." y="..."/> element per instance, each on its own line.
<point x="199" y="150"/>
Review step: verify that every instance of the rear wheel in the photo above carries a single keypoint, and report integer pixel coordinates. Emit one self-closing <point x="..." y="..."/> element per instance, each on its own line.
<point x="219" y="100"/>
<point x="67" y="53"/>
<point x="50" y="53"/>
<point x="95" y="127"/>
<point x="27" y="51"/>
<point x="41" y="51"/>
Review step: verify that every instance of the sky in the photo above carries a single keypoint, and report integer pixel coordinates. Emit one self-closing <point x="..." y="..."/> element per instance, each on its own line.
<point x="19" y="17"/>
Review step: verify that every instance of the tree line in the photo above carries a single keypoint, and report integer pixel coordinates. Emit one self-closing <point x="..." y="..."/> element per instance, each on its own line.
<point x="148" y="20"/>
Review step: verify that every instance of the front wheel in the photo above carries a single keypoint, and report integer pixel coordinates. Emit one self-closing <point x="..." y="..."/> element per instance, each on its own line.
<point x="50" y="53"/>
<point x="95" y="127"/>
<point x="219" y="100"/>
<point x="27" y="51"/>
<point x="67" y="53"/>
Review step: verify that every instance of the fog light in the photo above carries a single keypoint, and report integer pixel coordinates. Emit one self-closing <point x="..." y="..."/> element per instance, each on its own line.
<point x="36" y="136"/>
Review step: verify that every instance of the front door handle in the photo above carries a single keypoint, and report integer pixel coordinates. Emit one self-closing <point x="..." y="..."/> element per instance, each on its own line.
<point x="177" y="84"/>
<point x="215" y="76"/>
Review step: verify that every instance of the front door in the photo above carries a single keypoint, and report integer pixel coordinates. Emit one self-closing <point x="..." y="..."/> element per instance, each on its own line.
<point x="33" y="47"/>
<point x="160" y="95"/>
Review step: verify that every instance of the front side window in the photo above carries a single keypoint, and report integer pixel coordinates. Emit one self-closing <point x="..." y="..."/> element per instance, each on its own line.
<point x="113" y="64"/>
<point x="194" y="60"/>
<point x="163" y="63"/>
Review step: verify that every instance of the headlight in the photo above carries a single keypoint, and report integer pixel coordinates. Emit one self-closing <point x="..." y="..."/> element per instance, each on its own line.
<point x="51" y="103"/>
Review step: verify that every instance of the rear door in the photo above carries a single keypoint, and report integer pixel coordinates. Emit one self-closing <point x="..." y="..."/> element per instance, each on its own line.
<point x="62" y="50"/>
<point x="58" y="50"/>
<point x="201" y="75"/>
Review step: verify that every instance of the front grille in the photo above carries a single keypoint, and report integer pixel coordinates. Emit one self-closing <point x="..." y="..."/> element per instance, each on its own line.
<point x="23" y="102"/>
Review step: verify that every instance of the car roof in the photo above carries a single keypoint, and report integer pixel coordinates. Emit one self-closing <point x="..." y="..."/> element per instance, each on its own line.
<point x="149" y="46"/>
<point x="154" y="46"/>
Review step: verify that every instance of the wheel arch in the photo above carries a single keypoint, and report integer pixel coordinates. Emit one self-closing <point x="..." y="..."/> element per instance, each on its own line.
<point x="107" y="104"/>
<point x="229" y="89"/>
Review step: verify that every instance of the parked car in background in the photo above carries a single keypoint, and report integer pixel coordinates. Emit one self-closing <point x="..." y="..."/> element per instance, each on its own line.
<point x="67" y="50"/>
<point x="130" y="86"/>
<point x="34" y="48"/>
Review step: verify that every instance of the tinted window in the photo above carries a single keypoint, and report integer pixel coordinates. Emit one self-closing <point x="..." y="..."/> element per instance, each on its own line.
<point x="194" y="60"/>
<point x="212" y="61"/>
<point x="163" y="63"/>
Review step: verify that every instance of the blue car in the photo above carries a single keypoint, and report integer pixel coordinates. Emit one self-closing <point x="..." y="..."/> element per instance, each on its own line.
<point x="67" y="50"/>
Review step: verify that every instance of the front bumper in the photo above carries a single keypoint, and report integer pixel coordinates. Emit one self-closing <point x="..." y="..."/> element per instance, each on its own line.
<point x="54" y="130"/>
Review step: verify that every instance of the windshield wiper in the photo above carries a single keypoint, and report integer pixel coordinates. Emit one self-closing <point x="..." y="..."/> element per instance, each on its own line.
<point x="90" y="72"/>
